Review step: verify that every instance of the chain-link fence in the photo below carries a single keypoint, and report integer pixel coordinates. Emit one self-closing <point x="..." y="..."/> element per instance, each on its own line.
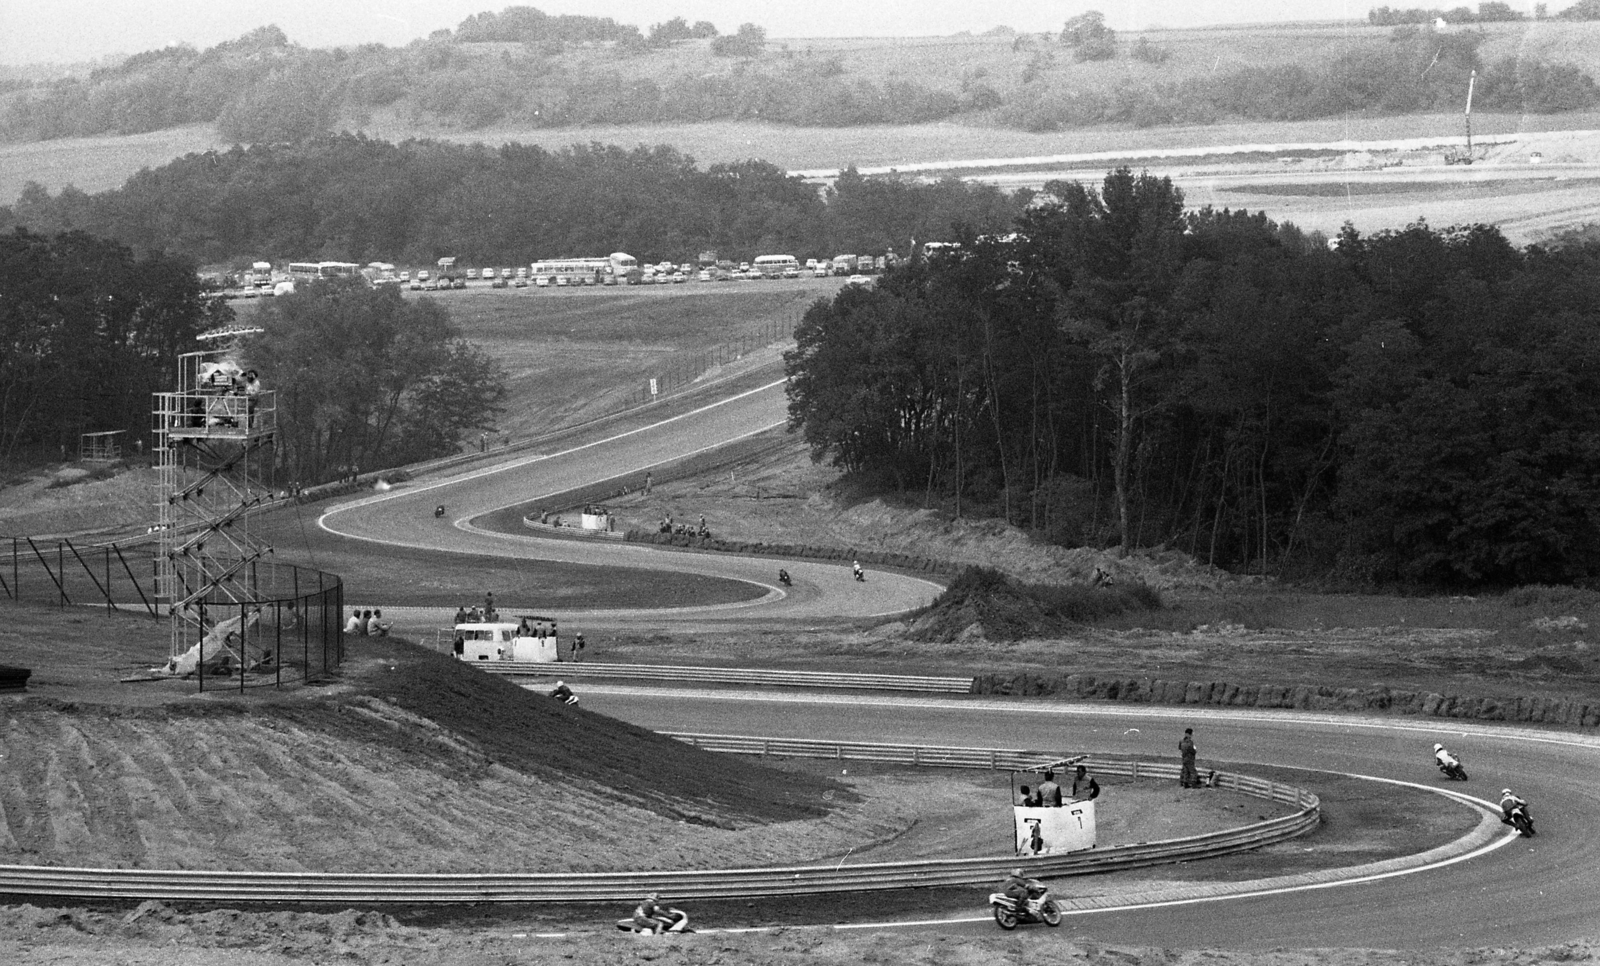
<point x="287" y="628"/>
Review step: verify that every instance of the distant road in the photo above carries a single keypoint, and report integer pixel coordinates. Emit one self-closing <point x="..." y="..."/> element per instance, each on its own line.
<point x="1096" y="157"/>
<point x="403" y="518"/>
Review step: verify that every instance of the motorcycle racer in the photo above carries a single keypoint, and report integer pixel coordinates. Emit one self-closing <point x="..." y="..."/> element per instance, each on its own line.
<point x="1019" y="888"/>
<point x="1509" y="803"/>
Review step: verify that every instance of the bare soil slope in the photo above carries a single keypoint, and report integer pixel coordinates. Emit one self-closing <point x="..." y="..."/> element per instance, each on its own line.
<point x="413" y="763"/>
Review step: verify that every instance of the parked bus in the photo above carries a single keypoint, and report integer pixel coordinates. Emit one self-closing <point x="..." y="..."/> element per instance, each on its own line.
<point x="313" y="270"/>
<point x="844" y="264"/>
<point x="773" y="266"/>
<point x="590" y="271"/>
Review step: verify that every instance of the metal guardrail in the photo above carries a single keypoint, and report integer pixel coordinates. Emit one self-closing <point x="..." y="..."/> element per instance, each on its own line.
<point x="728" y="675"/>
<point x="318" y="887"/>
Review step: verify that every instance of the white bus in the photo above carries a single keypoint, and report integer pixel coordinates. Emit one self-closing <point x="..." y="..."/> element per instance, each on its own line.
<point x="773" y="266"/>
<point x="313" y="270"/>
<point x="583" y="271"/>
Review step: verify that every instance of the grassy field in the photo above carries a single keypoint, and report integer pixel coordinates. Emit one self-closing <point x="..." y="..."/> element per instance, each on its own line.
<point x="572" y="355"/>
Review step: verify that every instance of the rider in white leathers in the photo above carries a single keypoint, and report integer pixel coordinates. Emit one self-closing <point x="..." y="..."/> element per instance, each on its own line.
<point x="1508" y="803"/>
<point x="1444" y="758"/>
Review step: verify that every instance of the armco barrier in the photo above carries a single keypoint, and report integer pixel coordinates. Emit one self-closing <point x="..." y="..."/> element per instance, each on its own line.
<point x="318" y="887"/>
<point x="729" y="675"/>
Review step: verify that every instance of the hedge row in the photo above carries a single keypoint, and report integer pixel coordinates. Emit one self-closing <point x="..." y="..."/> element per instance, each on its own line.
<point x="1300" y="697"/>
<point x="787" y="551"/>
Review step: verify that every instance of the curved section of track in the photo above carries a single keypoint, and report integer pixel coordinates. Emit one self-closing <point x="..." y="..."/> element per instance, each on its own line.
<point x="1534" y="892"/>
<point x="1531" y="892"/>
<point x="403" y="517"/>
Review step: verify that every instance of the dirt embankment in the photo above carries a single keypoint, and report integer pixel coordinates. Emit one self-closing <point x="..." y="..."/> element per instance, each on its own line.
<point x="411" y="764"/>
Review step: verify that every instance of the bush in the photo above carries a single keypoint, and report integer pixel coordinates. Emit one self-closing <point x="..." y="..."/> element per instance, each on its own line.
<point x="748" y="42"/>
<point x="1149" y="53"/>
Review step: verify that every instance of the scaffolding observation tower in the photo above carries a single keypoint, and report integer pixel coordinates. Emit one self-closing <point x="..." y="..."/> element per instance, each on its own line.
<point x="214" y="440"/>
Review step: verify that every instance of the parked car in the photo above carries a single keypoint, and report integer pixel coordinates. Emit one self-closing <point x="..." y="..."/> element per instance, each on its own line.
<point x="499" y="283"/>
<point x="821" y="271"/>
<point x="859" y="280"/>
<point x="472" y="273"/>
<point x="791" y="272"/>
<point x="543" y="281"/>
<point x="521" y="281"/>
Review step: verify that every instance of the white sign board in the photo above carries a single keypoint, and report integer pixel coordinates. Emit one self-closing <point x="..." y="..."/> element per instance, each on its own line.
<point x="1047" y="831"/>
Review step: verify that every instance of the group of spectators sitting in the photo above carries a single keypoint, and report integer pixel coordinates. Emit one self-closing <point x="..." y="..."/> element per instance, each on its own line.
<point x="367" y="623"/>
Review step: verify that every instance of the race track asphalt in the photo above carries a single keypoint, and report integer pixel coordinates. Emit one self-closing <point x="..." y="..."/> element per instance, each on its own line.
<point x="1531" y="892"/>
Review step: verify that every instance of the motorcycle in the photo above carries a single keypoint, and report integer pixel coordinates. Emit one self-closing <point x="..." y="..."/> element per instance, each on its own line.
<point x="1039" y="908"/>
<point x="671" y="920"/>
<point x="1521" y="821"/>
<point x="783" y="578"/>
<point x="438" y="511"/>
<point x="1453" y="770"/>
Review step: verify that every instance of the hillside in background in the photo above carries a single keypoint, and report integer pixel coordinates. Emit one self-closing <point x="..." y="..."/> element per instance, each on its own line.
<point x="534" y="71"/>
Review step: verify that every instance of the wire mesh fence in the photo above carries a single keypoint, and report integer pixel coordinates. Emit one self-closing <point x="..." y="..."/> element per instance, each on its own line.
<point x="286" y="628"/>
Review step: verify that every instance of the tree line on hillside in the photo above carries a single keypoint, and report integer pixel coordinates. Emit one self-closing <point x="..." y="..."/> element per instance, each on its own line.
<point x="350" y="198"/>
<point x="1418" y="406"/>
<point x="510" y="68"/>
<point x="1492" y="11"/>
<point x="1419" y="69"/>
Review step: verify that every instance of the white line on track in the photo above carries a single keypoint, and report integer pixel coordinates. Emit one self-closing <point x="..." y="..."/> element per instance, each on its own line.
<point x="466" y="525"/>
<point x="1013" y="706"/>
<point x="322" y="521"/>
<point x="1477" y="803"/>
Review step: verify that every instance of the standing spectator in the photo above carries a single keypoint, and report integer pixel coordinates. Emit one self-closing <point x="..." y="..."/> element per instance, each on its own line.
<point x="1190" y="777"/>
<point x="353" y="625"/>
<point x="1084" y="787"/>
<point x="483" y="442"/>
<point x="488" y="606"/>
<point x="647" y="483"/>
<point x="577" y="647"/>
<point x="460" y="645"/>
<point x="1049" y="791"/>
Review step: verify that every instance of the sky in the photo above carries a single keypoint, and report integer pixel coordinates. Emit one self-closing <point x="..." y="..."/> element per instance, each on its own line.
<point x="68" y="31"/>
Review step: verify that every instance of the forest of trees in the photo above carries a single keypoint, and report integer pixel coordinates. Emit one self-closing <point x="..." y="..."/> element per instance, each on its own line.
<point x="365" y="378"/>
<point x="350" y="198"/>
<point x="89" y="330"/>
<point x="1418" y="407"/>
<point x="510" y="68"/>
